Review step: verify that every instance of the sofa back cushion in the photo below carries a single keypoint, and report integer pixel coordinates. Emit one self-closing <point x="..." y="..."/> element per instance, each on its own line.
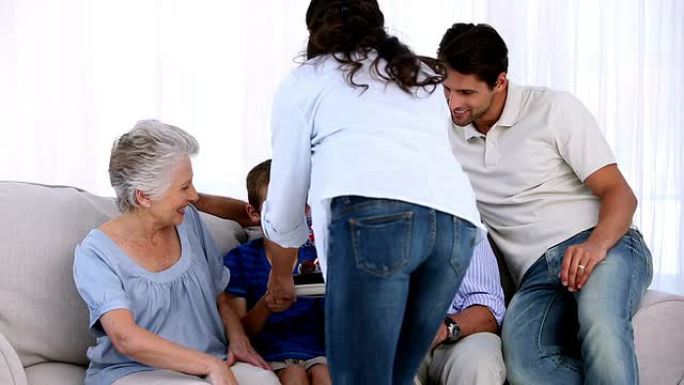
<point x="41" y="313"/>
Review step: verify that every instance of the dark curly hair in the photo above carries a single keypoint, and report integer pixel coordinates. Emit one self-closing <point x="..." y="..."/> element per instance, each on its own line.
<point x="349" y="29"/>
<point x="474" y="49"/>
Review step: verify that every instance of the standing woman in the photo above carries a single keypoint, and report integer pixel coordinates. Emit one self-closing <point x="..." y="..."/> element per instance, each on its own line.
<point x="359" y="129"/>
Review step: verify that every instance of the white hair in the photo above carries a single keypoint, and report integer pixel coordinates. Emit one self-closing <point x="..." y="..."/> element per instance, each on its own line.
<point x="142" y="160"/>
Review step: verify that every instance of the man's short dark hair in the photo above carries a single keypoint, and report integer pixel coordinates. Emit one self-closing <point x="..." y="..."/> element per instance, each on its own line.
<point x="474" y="49"/>
<point x="257" y="179"/>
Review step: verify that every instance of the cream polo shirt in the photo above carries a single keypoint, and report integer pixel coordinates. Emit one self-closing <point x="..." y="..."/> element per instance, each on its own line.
<point x="528" y="172"/>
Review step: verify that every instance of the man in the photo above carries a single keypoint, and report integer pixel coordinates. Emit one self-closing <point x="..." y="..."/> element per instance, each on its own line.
<point x="467" y="348"/>
<point x="556" y="204"/>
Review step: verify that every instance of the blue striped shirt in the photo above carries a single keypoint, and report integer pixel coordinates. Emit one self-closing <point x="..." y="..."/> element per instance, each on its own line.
<point x="481" y="284"/>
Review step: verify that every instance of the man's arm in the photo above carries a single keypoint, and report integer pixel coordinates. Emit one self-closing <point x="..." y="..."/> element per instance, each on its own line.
<point x="618" y="204"/>
<point x="479" y="304"/>
<point x="475" y="319"/>
<point x="227" y="208"/>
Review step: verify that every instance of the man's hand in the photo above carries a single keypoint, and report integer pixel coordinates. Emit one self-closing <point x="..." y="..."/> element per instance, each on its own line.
<point x="579" y="262"/>
<point x="440" y="337"/>
<point x="240" y="349"/>
<point x="617" y="208"/>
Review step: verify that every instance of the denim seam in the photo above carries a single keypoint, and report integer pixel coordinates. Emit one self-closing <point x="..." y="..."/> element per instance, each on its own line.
<point x="433" y="231"/>
<point x="456" y="242"/>
<point x="543" y="354"/>
<point x="632" y="298"/>
<point x="362" y="205"/>
<point x="632" y="286"/>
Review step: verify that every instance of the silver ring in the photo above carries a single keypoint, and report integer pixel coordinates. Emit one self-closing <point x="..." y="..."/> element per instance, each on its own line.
<point x="580" y="267"/>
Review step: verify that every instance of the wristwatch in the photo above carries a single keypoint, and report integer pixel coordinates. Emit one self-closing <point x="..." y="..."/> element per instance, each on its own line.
<point x="453" y="331"/>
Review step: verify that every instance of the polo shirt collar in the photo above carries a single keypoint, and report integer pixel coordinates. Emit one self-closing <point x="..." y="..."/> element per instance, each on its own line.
<point x="471" y="132"/>
<point x="509" y="115"/>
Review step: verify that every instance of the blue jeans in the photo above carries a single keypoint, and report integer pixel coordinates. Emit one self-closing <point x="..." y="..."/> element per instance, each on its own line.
<point x="393" y="268"/>
<point x="552" y="336"/>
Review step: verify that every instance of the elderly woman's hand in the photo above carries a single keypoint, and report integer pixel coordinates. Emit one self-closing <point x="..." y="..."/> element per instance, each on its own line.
<point x="221" y="374"/>
<point x="239" y="349"/>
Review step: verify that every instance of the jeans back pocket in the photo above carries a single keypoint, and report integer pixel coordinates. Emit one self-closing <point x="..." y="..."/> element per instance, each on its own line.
<point x="382" y="243"/>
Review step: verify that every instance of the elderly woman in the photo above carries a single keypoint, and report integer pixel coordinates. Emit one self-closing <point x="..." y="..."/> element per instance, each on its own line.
<point x="153" y="279"/>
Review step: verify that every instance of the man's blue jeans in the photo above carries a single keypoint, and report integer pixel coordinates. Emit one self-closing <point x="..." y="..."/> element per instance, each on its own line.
<point x="552" y="336"/>
<point x="393" y="268"/>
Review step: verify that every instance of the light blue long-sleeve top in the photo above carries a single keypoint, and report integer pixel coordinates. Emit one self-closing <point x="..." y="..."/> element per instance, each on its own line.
<point x="330" y="139"/>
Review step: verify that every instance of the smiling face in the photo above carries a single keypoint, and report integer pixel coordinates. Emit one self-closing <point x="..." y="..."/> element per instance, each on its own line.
<point x="471" y="100"/>
<point x="170" y="208"/>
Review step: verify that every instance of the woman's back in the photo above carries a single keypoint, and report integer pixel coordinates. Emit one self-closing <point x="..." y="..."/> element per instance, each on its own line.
<point x="378" y="141"/>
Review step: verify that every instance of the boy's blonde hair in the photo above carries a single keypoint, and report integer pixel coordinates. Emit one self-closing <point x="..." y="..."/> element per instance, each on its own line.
<point x="258" y="178"/>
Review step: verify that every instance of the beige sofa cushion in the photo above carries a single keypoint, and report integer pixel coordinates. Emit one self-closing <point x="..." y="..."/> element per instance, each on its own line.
<point x="11" y="371"/>
<point x="41" y="313"/>
<point x="659" y="339"/>
<point x="53" y="373"/>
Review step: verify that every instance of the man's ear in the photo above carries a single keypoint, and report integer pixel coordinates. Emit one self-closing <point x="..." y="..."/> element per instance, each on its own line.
<point x="501" y="82"/>
<point x="253" y="213"/>
<point x="142" y="198"/>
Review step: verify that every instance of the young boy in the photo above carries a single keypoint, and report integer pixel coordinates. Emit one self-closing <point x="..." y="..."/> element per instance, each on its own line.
<point x="291" y="340"/>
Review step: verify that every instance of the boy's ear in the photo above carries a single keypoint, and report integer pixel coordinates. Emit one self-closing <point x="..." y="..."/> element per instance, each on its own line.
<point x="253" y="213"/>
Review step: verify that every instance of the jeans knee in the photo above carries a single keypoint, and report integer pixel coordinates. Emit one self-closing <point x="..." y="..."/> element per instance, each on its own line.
<point x="601" y="328"/>
<point x="516" y="347"/>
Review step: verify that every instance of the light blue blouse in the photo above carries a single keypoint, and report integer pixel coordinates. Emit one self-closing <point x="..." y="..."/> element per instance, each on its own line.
<point x="330" y="139"/>
<point x="178" y="304"/>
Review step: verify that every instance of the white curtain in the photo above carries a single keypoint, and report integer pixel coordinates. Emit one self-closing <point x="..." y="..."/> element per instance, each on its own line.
<point x="75" y="74"/>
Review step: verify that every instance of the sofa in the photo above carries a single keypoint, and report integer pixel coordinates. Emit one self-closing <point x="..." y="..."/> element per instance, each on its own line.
<point x="44" y="323"/>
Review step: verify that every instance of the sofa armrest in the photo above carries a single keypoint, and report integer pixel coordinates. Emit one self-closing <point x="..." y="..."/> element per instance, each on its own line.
<point x="11" y="370"/>
<point x="659" y="339"/>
